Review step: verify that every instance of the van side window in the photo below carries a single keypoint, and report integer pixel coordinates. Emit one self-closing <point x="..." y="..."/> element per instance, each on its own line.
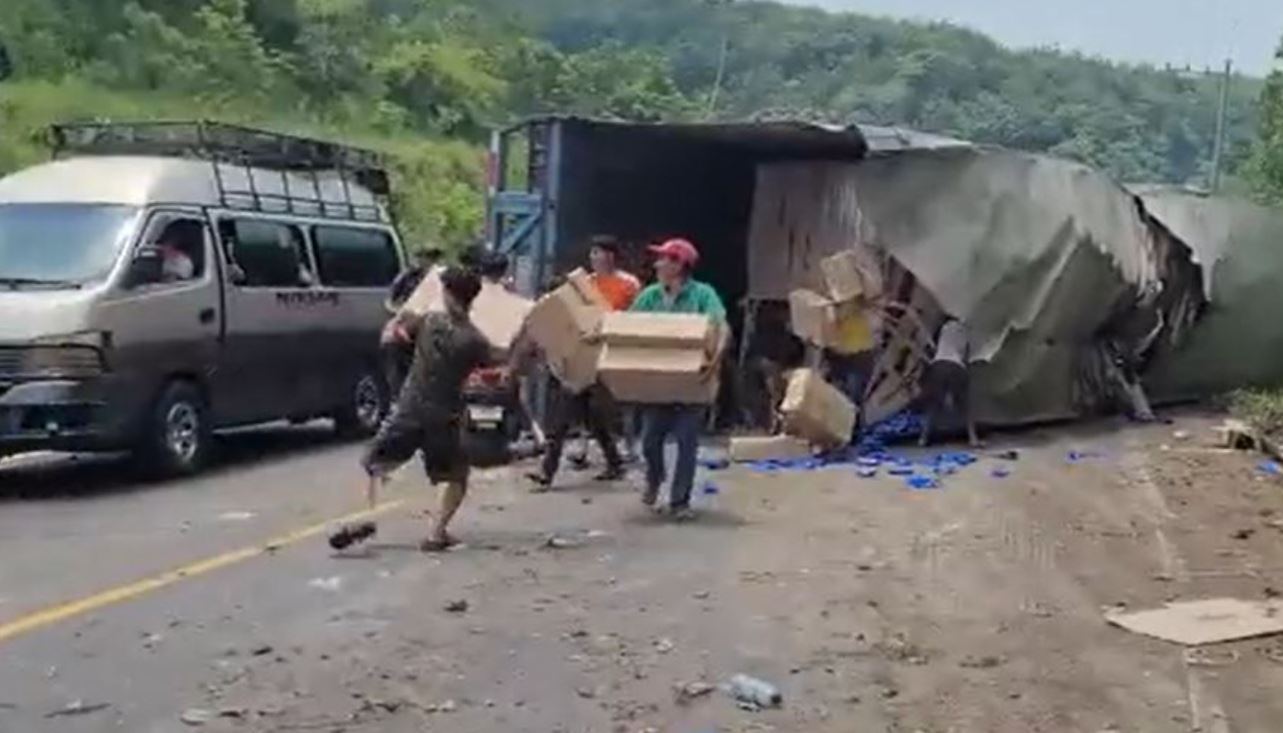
<point x="355" y="258"/>
<point x="180" y="242"/>
<point x="268" y="254"/>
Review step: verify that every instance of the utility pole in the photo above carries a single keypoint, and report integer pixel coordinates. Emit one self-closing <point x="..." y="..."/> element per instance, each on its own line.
<point x="1218" y="152"/>
<point x="719" y="13"/>
<point x="721" y="76"/>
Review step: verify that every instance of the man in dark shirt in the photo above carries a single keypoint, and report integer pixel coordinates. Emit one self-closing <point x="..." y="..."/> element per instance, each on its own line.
<point x="429" y="413"/>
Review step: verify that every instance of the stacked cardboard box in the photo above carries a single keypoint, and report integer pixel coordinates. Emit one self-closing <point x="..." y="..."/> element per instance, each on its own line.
<point x="563" y="324"/>
<point x="837" y="319"/>
<point x="658" y="358"/>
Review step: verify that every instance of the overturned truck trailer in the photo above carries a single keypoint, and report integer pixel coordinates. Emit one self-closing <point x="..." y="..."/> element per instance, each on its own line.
<point x="1071" y="286"/>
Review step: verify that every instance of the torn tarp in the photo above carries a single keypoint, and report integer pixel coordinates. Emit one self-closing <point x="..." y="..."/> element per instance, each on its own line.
<point x="1238" y="341"/>
<point x="1063" y="279"/>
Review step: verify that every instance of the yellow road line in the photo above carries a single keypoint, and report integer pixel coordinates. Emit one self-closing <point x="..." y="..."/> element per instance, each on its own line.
<point x="63" y="611"/>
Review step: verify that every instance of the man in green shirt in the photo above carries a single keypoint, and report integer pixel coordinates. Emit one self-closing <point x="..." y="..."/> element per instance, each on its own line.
<point x="677" y="292"/>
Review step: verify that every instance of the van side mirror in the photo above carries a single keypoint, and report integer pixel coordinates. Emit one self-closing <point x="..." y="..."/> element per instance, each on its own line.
<point x="236" y="274"/>
<point x="146" y="268"/>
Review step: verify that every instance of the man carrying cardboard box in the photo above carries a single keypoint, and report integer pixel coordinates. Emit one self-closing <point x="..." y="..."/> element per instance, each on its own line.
<point x="428" y="415"/>
<point x="396" y="347"/>
<point x="592" y="407"/>
<point x="677" y="292"/>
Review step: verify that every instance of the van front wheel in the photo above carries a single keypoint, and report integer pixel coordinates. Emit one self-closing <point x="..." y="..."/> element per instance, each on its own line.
<point x="177" y="437"/>
<point x="367" y="404"/>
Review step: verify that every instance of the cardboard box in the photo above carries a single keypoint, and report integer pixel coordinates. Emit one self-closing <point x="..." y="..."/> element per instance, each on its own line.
<point x="650" y="376"/>
<point x="576" y="370"/>
<point x="427" y="298"/>
<point x="658" y="358"/>
<point x="843" y="276"/>
<point x="774" y="448"/>
<point x="816" y="411"/>
<point x="499" y="315"/>
<point x="841" y="327"/>
<point x="814" y="317"/>
<point x="562" y="320"/>
<point x="658" y="330"/>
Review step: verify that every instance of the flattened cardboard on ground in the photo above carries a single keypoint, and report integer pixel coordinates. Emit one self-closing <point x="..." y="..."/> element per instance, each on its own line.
<point x="746" y="449"/>
<point x="658" y="330"/>
<point x="499" y="315"/>
<point x="816" y="411"/>
<point x="649" y="376"/>
<point x="843" y="276"/>
<point x="1210" y="621"/>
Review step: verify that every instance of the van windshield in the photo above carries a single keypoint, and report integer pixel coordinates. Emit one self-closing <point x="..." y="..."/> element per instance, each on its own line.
<point x="61" y="245"/>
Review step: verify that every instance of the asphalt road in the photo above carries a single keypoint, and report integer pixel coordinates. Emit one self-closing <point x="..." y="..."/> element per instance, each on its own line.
<point x="975" y="607"/>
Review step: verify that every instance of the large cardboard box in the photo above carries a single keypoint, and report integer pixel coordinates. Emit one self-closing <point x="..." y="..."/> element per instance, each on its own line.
<point x="816" y="411"/>
<point x="499" y="315"/>
<point x="663" y="376"/>
<point x="427" y="298"/>
<point x="658" y="330"/>
<point x="577" y="369"/>
<point x="747" y="449"/>
<point x="841" y="327"/>
<point x="814" y="317"/>
<point x="561" y="323"/>
<point x="658" y="358"/>
<point x="843" y="276"/>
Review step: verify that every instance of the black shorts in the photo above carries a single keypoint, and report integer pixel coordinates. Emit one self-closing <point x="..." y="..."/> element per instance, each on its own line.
<point x="438" y="437"/>
<point x="947" y="381"/>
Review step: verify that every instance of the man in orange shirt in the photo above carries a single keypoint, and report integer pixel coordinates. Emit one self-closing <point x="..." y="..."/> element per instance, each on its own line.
<point x="616" y="286"/>
<point x="619" y="288"/>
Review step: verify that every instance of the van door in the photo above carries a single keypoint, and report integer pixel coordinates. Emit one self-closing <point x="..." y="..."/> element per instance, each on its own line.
<point x="166" y="321"/>
<point x="271" y="303"/>
<point x="358" y="264"/>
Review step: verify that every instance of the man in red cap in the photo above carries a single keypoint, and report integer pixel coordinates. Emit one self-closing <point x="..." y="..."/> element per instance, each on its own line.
<point x="677" y="292"/>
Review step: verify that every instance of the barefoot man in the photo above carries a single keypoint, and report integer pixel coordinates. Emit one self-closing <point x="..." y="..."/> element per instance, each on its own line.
<point x="428" y="414"/>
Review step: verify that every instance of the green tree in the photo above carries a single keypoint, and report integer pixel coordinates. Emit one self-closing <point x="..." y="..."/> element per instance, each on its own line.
<point x="1267" y="163"/>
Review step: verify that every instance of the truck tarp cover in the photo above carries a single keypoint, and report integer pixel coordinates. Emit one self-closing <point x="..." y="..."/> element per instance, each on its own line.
<point x="1239" y="340"/>
<point x="1047" y="261"/>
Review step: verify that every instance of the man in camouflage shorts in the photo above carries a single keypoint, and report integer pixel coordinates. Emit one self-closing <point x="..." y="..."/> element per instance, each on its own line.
<point x="428" y="416"/>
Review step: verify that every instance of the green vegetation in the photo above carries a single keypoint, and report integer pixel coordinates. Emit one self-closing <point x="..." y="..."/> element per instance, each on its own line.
<point x="1260" y="408"/>
<point x="1266" y="169"/>
<point x="424" y="79"/>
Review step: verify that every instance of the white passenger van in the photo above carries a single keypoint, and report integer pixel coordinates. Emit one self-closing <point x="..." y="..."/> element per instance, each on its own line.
<point x="161" y="281"/>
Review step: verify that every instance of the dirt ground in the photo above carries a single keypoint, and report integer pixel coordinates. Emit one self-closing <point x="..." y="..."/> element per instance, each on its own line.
<point x="975" y="607"/>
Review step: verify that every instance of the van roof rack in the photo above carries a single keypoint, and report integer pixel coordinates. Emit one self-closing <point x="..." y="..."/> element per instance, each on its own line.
<point x="244" y="147"/>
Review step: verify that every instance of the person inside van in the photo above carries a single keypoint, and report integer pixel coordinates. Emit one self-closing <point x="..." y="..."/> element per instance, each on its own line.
<point x="179" y="245"/>
<point x="428" y="416"/>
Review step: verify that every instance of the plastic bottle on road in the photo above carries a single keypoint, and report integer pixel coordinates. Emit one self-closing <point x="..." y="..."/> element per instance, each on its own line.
<point x="755" y="692"/>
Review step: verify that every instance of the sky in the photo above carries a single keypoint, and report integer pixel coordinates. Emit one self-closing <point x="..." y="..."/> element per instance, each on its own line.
<point x="1200" y="33"/>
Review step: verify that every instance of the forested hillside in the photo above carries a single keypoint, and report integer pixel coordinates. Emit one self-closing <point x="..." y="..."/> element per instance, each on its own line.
<point x="424" y="79"/>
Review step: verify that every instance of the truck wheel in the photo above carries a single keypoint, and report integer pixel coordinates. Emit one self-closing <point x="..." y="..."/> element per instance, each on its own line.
<point x="176" y="440"/>
<point x="366" y="406"/>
